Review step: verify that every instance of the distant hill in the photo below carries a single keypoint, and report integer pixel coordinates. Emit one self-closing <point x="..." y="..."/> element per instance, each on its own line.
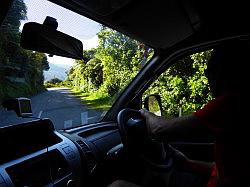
<point x="56" y="71"/>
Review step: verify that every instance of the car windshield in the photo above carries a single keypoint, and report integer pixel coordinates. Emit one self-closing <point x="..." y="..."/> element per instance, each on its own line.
<point x="67" y="91"/>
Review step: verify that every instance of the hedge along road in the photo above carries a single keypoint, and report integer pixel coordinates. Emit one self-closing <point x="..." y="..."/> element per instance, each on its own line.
<point x="58" y="104"/>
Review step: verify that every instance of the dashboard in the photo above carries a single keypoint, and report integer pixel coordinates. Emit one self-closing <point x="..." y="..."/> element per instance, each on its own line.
<point x="34" y="154"/>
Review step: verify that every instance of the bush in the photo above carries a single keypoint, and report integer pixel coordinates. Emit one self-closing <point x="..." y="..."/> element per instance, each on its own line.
<point x="55" y="82"/>
<point x="13" y="90"/>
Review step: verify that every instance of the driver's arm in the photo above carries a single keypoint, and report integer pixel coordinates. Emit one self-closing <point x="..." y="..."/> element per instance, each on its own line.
<point x="185" y="127"/>
<point x="179" y="128"/>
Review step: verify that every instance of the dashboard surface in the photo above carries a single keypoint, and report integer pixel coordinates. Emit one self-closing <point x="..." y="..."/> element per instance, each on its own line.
<point x="34" y="154"/>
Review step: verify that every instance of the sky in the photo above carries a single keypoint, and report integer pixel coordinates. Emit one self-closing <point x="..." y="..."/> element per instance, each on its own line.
<point x="69" y="22"/>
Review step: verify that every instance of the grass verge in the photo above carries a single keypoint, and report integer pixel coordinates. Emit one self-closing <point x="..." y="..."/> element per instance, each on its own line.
<point x="95" y="100"/>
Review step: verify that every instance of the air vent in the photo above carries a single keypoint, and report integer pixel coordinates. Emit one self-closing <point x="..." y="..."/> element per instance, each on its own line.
<point x="91" y="162"/>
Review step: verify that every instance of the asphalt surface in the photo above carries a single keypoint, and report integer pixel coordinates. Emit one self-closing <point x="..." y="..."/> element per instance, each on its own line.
<point x="58" y="104"/>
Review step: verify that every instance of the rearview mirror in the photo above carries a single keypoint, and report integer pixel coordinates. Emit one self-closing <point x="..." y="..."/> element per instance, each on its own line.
<point x="152" y="103"/>
<point x="45" y="39"/>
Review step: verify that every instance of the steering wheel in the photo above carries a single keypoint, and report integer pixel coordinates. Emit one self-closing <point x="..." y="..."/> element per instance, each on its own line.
<point x="135" y="139"/>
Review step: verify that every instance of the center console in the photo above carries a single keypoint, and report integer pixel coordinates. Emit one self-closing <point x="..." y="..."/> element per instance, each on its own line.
<point x="40" y="170"/>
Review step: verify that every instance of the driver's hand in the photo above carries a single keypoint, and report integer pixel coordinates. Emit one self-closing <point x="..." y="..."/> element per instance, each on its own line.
<point x="154" y="123"/>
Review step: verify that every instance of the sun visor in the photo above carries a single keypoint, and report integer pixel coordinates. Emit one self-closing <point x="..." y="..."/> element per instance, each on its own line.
<point x="160" y="24"/>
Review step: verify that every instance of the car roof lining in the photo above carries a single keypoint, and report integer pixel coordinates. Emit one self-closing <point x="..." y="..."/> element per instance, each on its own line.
<point x="154" y="24"/>
<point x="163" y="24"/>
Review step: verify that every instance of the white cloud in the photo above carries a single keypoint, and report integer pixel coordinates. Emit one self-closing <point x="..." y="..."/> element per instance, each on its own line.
<point x="90" y="43"/>
<point x="61" y="60"/>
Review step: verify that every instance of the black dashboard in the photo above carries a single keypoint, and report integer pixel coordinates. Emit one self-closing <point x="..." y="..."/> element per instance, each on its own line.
<point x="26" y="138"/>
<point x="34" y="154"/>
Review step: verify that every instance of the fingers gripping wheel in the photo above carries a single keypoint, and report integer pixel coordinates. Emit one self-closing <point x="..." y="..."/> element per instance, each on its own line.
<point x="132" y="128"/>
<point x="135" y="139"/>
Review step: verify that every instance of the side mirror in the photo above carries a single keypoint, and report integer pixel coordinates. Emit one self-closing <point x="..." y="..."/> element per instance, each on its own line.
<point x="22" y="106"/>
<point x="152" y="103"/>
<point x="46" y="39"/>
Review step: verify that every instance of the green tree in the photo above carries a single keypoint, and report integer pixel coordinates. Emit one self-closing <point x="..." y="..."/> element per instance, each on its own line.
<point x="117" y="60"/>
<point x="54" y="81"/>
<point x="120" y="56"/>
<point x="185" y="82"/>
<point x="88" y="54"/>
<point x="106" y="70"/>
<point x="16" y="63"/>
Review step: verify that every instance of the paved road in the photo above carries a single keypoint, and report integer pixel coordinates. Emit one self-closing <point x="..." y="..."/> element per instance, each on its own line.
<point x="64" y="109"/>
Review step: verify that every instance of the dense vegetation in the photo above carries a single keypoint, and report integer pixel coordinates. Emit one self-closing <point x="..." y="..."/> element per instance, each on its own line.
<point x="183" y="85"/>
<point x="21" y="71"/>
<point x="55" y="82"/>
<point x="106" y="70"/>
